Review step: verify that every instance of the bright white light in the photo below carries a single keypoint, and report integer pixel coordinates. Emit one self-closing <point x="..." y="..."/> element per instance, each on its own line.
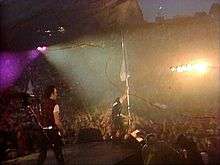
<point x="189" y="68"/>
<point x="200" y="67"/>
<point x="179" y="69"/>
<point x="197" y="67"/>
<point x="42" y="49"/>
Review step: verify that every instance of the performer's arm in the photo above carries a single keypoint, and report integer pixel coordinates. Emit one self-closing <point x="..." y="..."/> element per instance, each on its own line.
<point x="56" y="114"/>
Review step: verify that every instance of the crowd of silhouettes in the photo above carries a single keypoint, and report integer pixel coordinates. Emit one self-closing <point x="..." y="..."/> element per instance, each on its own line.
<point x="191" y="140"/>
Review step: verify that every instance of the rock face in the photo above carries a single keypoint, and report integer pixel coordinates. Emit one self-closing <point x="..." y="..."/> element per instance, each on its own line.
<point x="21" y="20"/>
<point x="215" y="11"/>
<point x="127" y="13"/>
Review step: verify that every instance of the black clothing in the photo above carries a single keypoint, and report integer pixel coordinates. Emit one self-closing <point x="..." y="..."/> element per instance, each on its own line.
<point x="117" y="120"/>
<point x="47" y="113"/>
<point x="50" y="136"/>
<point x="117" y="108"/>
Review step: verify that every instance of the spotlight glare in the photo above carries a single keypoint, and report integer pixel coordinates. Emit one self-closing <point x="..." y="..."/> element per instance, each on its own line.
<point x="179" y="69"/>
<point x="189" y="67"/>
<point x="42" y="49"/>
<point x="200" y="67"/>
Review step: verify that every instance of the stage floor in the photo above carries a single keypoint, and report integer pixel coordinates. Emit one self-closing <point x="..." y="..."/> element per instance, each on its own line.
<point x="93" y="153"/>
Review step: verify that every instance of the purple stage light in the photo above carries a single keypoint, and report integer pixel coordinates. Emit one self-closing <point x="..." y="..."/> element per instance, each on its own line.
<point x="33" y="54"/>
<point x="10" y="70"/>
<point x="12" y="65"/>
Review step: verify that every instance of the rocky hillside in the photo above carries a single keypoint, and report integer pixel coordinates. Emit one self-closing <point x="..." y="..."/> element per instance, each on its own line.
<point x="23" y="21"/>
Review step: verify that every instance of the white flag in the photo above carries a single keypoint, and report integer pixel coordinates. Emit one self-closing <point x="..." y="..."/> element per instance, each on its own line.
<point x="123" y="64"/>
<point x="123" y="70"/>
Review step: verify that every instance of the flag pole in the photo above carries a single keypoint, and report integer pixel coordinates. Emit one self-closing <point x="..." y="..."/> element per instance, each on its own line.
<point x="124" y="54"/>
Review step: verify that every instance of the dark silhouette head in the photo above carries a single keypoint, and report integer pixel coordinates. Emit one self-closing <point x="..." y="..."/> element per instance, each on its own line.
<point x="50" y="91"/>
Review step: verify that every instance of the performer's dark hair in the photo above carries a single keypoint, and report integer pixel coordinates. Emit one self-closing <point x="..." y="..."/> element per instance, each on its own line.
<point x="117" y="99"/>
<point x="48" y="91"/>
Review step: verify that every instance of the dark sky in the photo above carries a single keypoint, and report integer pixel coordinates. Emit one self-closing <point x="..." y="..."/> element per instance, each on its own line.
<point x="172" y="8"/>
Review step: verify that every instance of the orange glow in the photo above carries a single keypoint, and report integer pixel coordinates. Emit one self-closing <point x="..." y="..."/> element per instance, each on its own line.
<point x="200" y="67"/>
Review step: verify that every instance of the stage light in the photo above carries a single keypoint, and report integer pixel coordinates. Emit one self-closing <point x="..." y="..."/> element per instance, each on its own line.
<point x="179" y="69"/>
<point x="189" y="67"/>
<point x="42" y="49"/>
<point x="200" y="67"/>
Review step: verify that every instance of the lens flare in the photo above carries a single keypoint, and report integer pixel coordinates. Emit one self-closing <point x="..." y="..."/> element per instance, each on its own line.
<point x="200" y="67"/>
<point x="42" y="49"/>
